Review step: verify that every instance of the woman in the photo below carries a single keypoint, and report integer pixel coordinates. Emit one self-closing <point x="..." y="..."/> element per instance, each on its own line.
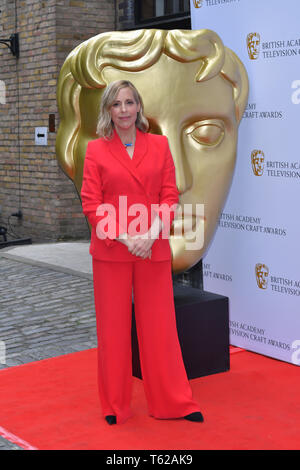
<point x="128" y="172"/>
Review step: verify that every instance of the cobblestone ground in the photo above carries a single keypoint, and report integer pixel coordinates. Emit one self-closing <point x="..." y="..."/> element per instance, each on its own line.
<point x="43" y="313"/>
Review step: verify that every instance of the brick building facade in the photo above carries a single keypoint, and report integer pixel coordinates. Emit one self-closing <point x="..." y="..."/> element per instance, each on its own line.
<point x="30" y="179"/>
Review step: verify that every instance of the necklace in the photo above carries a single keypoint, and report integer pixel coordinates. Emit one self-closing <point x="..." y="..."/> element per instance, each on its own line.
<point x="130" y="144"/>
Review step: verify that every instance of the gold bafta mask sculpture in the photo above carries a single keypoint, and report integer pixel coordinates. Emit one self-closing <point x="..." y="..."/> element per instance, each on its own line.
<point x="194" y="91"/>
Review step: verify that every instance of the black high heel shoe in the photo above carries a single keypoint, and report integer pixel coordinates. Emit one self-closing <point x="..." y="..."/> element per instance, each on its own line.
<point x="196" y="417"/>
<point x="111" y="419"/>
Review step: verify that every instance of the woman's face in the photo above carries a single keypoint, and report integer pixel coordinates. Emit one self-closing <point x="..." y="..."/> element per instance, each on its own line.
<point x="124" y="110"/>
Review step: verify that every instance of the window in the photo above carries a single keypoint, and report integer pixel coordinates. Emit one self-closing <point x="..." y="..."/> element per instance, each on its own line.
<point x="150" y="9"/>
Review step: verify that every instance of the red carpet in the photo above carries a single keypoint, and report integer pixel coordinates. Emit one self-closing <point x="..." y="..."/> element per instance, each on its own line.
<point x="53" y="404"/>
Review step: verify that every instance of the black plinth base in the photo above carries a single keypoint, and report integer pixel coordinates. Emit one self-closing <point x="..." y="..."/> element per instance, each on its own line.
<point x="203" y="329"/>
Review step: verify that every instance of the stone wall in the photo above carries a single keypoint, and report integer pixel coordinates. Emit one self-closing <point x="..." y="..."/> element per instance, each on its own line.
<point x="30" y="178"/>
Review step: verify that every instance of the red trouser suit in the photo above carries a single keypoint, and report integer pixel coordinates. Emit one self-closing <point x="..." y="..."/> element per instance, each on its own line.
<point x="117" y="273"/>
<point x="165" y="382"/>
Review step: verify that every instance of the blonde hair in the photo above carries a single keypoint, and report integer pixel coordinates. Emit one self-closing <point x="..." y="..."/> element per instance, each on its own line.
<point x="105" y="124"/>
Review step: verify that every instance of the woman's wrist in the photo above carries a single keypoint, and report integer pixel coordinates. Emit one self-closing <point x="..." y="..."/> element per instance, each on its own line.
<point x="155" y="228"/>
<point x="123" y="238"/>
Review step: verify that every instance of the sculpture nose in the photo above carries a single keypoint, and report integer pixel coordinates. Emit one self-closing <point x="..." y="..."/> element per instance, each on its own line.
<point x="184" y="178"/>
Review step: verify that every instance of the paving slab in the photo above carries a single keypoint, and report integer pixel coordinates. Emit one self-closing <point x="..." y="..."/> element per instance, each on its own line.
<point x="71" y="257"/>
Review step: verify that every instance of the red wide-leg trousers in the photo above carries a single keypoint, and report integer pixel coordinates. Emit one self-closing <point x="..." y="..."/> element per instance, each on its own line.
<point x="166" y="385"/>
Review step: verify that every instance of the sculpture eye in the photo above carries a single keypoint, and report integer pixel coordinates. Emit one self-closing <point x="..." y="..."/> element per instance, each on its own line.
<point x="209" y="132"/>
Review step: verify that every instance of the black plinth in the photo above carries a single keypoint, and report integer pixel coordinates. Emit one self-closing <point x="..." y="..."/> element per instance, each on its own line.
<point x="203" y="329"/>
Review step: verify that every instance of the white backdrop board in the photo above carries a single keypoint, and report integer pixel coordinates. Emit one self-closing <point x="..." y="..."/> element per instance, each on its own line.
<point x="254" y="258"/>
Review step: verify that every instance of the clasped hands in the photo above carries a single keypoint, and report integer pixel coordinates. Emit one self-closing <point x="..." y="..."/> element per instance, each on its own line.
<point x="141" y="245"/>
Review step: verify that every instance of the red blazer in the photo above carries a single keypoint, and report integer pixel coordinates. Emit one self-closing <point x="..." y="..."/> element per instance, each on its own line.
<point x="148" y="178"/>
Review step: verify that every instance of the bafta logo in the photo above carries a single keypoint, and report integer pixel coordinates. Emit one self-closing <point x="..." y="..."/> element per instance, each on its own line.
<point x="253" y="41"/>
<point x="258" y="162"/>
<point x="198" y="3"/>
<point x="262" y="273"/>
